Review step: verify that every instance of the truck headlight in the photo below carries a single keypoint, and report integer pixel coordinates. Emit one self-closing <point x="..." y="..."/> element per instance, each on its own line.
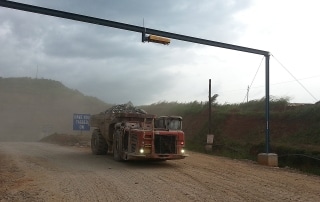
<point x="141" y="151"/>
<point x="182" y="151"/>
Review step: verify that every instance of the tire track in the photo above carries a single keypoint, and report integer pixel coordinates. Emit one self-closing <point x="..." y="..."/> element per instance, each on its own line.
<point x="45" y="172"/>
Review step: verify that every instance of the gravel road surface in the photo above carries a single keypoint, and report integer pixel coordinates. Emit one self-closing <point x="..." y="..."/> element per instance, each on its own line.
<point x="47" y="172"/>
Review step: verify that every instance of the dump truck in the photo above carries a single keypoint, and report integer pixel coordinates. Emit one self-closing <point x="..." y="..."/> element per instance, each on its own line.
<point x="133" y="134"/>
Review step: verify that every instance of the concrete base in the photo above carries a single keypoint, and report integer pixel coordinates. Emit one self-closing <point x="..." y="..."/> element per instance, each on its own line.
<point x="268" y="159"/>
<point x="208" y="147"/>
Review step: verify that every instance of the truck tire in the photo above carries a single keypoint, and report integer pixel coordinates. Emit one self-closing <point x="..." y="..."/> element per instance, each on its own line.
<point x="99" y="145"/>
<point x="117" y="146"/>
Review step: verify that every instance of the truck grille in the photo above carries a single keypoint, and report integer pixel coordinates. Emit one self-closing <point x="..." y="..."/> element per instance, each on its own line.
<point x="134" y="140"/>
<point x="165" y="144"/>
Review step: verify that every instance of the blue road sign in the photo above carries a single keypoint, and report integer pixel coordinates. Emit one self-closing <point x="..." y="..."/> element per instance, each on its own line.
<point x="81" y="122"/>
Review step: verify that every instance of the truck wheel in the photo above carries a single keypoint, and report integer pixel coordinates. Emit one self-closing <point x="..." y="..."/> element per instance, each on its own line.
<point x="98" y="143"/>
<point x="117" y="146"/>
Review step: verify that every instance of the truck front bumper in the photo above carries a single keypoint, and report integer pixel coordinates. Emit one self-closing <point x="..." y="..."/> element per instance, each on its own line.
<point x="155" y="156"/>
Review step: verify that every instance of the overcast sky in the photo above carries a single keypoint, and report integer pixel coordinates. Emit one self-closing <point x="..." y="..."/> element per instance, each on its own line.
<point x="116" y="67"/>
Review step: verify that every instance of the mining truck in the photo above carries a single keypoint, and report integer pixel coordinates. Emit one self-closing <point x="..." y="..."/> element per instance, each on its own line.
<point x="132" y="134"/>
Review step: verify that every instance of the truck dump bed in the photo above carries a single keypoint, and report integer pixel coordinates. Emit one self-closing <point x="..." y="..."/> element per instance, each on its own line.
<point x="119" y="113"/>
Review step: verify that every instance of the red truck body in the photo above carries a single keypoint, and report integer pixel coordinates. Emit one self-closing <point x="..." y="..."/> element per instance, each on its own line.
<point x="136" y="135"/>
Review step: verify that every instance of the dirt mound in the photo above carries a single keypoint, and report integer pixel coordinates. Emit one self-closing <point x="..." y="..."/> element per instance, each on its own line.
<point x="125" y="108"/>
<point x="66" y="139"/>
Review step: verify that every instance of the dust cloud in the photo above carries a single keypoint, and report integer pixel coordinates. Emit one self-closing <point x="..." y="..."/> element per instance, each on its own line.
<point x="32" y="109"/>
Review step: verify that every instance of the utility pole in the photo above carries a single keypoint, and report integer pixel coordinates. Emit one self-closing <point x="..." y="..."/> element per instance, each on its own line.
<point x="248" y="93"/>
<point x="210" y="136"/>
<point x="209" y="124"/>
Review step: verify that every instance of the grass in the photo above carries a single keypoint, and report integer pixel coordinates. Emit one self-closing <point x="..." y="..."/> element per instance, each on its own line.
<point x="295" y="131"/>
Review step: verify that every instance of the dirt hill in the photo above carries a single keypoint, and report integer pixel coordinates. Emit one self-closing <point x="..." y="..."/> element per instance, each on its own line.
<point x="33" y="108"/>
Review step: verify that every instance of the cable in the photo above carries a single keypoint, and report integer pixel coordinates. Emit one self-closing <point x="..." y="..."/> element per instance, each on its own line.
<point x="286" y="82"/>
<point x="252" y="81"/>
<point x="272" y="84"/>
<point x="262" y="86"/>
<point x="295" y="78"/>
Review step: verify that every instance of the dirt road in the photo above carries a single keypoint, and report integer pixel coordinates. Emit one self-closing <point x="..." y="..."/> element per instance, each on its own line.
<point x="47" y="172"/>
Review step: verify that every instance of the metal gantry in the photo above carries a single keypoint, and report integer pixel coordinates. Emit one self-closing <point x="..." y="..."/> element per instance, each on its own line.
<point x="143" y="31"/>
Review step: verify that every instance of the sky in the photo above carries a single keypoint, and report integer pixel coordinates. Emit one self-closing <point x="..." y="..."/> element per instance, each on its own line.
<point x="116" y="67"/>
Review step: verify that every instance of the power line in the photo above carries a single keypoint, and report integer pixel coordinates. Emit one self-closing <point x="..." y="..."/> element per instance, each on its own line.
<point x="262" y="86"/>
<point x="311" y="77"/>
<point x="295" y="78"/>
<point x="249" y="87"/>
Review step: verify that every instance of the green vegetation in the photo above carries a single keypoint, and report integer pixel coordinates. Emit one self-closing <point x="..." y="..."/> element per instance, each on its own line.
<point x="239" y="130"/>
<point x="174" y="108"/>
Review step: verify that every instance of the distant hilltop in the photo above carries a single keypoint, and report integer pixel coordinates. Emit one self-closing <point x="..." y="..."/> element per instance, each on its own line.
<point x="34" y="108"/>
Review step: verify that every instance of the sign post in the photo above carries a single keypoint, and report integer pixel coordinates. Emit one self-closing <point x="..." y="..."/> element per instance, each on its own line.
<point x="81" y="122"/>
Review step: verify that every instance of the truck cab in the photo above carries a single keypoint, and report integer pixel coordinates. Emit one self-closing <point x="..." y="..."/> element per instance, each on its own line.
<point x="168" y="123"/>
